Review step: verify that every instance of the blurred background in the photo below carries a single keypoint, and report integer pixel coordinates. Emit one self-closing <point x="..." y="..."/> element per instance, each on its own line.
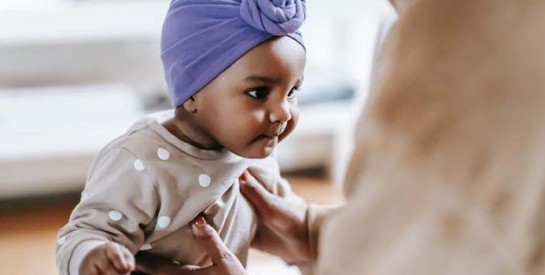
<point x="74" y="74"/>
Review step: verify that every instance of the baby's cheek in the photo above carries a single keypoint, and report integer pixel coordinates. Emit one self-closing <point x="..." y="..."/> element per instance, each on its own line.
<point x="294" y="109"/>
<point x="259" y="116"/>
<point x="291" y="124"/>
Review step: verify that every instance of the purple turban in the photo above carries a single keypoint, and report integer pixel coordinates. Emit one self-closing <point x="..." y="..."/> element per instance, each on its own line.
<point x="201" y="38"/>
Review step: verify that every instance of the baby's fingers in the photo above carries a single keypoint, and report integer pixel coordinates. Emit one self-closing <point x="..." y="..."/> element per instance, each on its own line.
<point x="120" y="258"/>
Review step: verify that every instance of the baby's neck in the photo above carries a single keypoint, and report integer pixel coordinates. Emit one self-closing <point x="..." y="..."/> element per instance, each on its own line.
<point x="190" y="134"/>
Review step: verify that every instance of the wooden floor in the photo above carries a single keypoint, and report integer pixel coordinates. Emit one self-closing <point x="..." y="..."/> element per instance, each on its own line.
<point x="28" y="228"/>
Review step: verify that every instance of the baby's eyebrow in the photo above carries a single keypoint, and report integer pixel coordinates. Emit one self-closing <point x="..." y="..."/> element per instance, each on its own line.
<point x="265" y="79"/>
<point x="270" y="80"/>
<point x="300" y="81"/>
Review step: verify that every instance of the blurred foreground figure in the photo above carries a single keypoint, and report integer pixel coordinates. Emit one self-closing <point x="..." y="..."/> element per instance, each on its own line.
<point x="448" y="175"/>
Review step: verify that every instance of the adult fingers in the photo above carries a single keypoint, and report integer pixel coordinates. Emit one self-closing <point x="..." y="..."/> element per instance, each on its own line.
<point x="263" y="200"/>
<point x="210" y="241"/>
<point x="223" y="260"/>
<point x="159" y="266"/>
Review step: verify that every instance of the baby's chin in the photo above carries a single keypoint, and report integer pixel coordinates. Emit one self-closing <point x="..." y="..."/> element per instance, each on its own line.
<point x="257" y="152"/>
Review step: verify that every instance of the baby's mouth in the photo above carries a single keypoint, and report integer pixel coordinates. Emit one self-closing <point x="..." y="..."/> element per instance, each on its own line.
<point x="268" y="141"/>
<point x="272" y="136"/>
<point x="275" y="132"/>
<point x="267" y="137"/>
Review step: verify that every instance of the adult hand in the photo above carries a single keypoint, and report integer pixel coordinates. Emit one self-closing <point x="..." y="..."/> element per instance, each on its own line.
<point x="282" y="229"/>
<point x="224" y="262"/>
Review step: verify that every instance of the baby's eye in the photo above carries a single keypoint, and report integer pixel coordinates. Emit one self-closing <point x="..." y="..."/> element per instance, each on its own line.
<point x="259" y="93"/>
<point x="292" y="92"/>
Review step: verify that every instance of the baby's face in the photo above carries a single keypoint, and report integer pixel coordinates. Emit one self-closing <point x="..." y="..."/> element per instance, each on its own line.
<point x="252" y="105"/>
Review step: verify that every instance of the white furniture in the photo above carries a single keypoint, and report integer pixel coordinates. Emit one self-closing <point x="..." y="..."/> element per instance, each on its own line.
<point x="50" y="136"/>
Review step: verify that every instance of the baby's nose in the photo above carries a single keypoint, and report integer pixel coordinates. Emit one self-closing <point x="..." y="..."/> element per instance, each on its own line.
<point x="281" y="112"/>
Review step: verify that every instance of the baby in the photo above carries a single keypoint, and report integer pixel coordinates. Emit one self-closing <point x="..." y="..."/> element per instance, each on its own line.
<point x="233" y="68"/>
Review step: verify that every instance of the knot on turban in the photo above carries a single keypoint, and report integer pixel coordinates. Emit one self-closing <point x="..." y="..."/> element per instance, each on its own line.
<point x="277" y="17"/>
<point x="202" y="38"/>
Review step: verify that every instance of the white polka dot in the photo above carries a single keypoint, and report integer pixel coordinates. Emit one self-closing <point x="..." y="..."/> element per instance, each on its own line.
<point x="145" y="246"/>
<point x="204" y="180"/>
<point x="163" y="222"/>
<point x="115" y="215"/>
<point x="163" y="154"/>
<point x="61" y="240"/>
<point x="138" y="165"/>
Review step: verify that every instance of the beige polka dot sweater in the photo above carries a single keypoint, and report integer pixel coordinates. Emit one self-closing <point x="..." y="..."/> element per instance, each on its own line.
<point x="146" y="187"/>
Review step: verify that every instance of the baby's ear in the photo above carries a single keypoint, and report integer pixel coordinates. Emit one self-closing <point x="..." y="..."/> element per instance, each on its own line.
<point x="190" y="105"/>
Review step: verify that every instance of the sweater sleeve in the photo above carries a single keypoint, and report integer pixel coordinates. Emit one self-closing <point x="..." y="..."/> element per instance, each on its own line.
<point x="316" y="215"/>
<point x="117" y="205"/>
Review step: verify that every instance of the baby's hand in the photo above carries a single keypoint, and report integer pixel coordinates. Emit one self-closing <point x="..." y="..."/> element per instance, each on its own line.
<point x="110" y="258"/>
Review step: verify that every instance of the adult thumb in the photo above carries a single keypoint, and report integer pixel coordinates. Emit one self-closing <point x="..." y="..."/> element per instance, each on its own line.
<point x="223" y="260"/>
<point x="210" y="241"/>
